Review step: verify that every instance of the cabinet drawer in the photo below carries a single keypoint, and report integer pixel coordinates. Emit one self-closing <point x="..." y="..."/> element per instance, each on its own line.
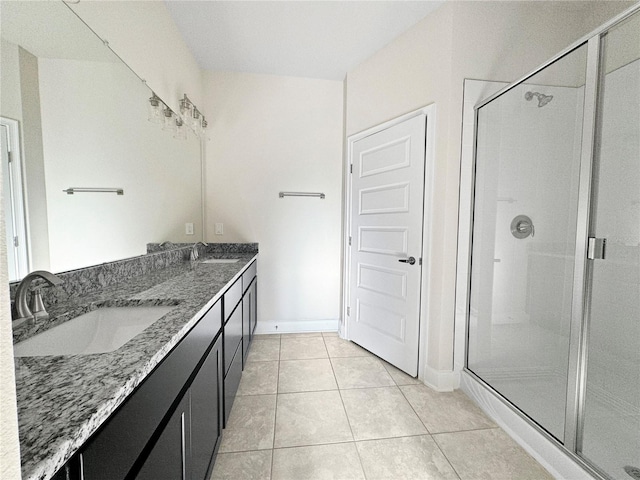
<point x="232" y="297"/>
<point x="231" y="383"/>
<point x="114" y="449"/>
<point x="248" y="275"/>
<point x="232" y="336"/>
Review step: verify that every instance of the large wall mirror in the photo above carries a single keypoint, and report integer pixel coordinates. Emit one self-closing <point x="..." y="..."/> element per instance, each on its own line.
<point x="73" y="114"/>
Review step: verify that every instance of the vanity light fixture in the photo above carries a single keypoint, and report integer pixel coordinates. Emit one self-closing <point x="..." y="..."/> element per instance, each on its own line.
<point x="169" y="120"/>
<point x="189" y="117"/>
<point x="186" y="107"/>
<point x="156" y="106"/>
<point x="181" y="130"/>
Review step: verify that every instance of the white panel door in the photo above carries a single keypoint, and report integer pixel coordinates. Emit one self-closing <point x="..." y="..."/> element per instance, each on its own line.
<point x="387" y="198"/>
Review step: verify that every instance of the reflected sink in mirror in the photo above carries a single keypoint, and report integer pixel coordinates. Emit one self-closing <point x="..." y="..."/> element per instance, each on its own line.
<point x="98" y="331"/>
<point x="221" y="260"/>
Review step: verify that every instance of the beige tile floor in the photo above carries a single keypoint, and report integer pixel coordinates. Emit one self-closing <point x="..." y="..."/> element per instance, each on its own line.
<point x="314" y="406"/>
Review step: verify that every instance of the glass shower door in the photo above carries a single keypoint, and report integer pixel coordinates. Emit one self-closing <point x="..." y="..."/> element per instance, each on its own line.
<point x="611" y="421"/>
<point x="527" y="170"/>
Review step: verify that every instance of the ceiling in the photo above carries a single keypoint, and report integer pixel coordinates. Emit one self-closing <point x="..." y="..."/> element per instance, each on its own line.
<point x="317" y="39"/>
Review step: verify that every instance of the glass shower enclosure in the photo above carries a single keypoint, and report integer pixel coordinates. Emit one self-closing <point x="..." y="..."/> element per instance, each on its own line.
<point x="553" y="314"/>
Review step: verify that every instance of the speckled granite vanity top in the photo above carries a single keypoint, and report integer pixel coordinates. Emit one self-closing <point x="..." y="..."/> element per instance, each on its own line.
<point x="62" y="400"/>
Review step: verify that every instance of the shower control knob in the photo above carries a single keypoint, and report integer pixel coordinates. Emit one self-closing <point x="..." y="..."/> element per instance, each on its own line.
<point x="409" y="260"/>
<point x="522" y="227"/>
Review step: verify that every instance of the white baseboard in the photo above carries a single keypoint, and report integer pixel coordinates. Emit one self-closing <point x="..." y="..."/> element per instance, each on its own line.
<point x="441" y="380"/>
<point x="548" y="454"/>
<point x="297" y="326"/>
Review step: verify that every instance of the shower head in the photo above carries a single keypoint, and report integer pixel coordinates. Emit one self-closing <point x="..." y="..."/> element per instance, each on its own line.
<point x="542" y="99"/>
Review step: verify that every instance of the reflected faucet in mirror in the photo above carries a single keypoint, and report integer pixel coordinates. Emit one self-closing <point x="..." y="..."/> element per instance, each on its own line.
<point x="23" y="314"/>
<point x="194" y="251"/>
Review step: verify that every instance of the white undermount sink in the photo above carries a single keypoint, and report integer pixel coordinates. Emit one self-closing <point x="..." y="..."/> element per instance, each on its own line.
<point x="98" y="331"/>
<point x="221" y="260"/>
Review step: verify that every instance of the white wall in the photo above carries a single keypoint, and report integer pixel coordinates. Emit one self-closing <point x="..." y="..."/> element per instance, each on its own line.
<point x="33" y="158"/>
<point x="270" y="134"/>
<point x="427" y="64"/>
<point x="9" y="446"/>
<point x="10" y="105"/>
<point x="103" y="139"/>
<point x="144" y="35"/>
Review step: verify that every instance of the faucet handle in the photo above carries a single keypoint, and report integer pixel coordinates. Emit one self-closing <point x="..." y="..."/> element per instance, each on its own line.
<point x="37" y="305"/>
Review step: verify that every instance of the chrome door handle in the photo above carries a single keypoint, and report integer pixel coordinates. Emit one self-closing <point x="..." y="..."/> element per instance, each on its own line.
<point x="409" y="260"/>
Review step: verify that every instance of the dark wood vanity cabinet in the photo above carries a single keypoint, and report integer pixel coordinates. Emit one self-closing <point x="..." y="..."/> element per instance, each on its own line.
<point x="249" y="317"/>
<point x="232" y="345"/>
<point x="170" y="427"/>
<point x="207" y="413"/>
<point x="170" y="457"/>
<point x="187" y="445"/>
<point x="153" y="428"/>
<point x="241" y="315"/>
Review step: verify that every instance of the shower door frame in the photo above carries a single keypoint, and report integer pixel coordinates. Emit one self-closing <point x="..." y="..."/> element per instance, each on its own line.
<point x="582" y="272"/>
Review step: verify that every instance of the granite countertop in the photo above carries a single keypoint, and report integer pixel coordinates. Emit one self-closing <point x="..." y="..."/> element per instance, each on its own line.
<point x="62" y="400"/>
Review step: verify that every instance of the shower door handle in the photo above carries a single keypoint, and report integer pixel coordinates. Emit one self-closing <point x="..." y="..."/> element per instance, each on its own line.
<point x="596" y="248"/>
<point x="409" y="260"/>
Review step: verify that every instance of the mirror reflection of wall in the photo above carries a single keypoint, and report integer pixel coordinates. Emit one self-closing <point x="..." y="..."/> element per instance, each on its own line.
<point x="81" y="117"/>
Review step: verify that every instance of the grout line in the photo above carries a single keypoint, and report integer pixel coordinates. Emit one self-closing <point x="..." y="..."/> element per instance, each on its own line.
<point x="393" y="438"/>
<point x="467" y="430"/>
<point x="429" y="433"/>
<point x="313" y="445"/>
<point x="348" y="421"/>
<point x="445" y="456"/>
<point x="275" y="414"/>
<point x="414" y="410"/>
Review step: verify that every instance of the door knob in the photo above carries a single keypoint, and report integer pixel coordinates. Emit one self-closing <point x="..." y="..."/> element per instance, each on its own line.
<point x="409" y="260"/>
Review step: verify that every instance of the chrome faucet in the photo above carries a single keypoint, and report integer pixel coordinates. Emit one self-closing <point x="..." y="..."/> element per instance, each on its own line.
<point x="194" y="250"/>
<point x="24" y="314"/>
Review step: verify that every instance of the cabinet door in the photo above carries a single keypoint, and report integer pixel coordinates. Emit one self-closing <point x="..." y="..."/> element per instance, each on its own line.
<point x="206" y="413"/>
<point x="231" y="382"/>
<point x="169" y="457"/>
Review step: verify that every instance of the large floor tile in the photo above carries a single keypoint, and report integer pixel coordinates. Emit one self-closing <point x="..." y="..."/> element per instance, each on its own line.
<point x="489" y="454"/>
<point x="254" y="465"/>
<point x="266" y="336"/>
<point x="259" y="378"/>
<point x="360" y="372"/>
<point x="380" y="413"/>
<point x="338" y="347"/>
<point x="445" y="411"/>
<point x="306" y="376"/>
<point x="251" y="424"/>
<point x="330" y="335"/>
<point x="299" y="348"/>
<point x="399" y="376"/>
<point x="404" y="458"/>
<point x="319" y="462"/>
<point x="264" y="351"/>
<point x="311" y="418"/>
